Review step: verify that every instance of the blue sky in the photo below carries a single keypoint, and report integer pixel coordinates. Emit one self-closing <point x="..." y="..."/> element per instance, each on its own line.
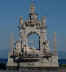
<point x="55" y="10"/>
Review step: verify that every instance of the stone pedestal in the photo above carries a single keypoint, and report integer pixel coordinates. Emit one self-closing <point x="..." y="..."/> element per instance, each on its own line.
<point x="42" y="62"/>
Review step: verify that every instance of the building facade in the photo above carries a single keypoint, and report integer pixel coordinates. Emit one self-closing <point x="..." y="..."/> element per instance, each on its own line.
<point x="28" y="51"/>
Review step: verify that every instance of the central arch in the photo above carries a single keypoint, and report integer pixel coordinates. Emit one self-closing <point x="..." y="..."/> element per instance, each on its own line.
<point x="33" y="40"/>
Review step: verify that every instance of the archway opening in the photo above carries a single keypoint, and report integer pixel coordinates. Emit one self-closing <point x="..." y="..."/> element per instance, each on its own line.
<point x="34" y="40"/>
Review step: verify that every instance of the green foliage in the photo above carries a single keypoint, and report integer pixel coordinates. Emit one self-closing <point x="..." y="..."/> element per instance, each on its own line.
<point x="63" y="65"/>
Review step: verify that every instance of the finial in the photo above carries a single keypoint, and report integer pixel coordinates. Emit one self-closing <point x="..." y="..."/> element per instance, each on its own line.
<point x="44" y="19"/>
<point x="16" y="20"/>
<point x="32" y="1"/>
<point x="11" y="42"/>
<point x="44" y="22"/>
<point x="32" y="8"/>
<point x="21" y="20"/>
<point x="54" y="43"/>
